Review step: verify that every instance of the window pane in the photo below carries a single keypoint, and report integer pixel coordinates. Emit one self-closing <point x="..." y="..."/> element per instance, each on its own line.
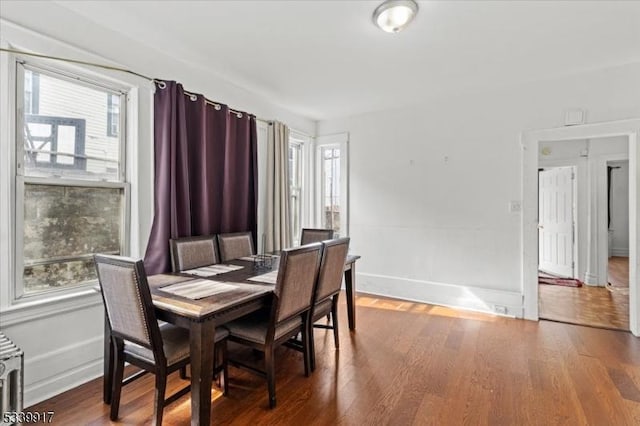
<point x="63" y="226"/>
<point x="331" y="188"/>
<point x="68" y="133"/>
<point x="295" y="187"/>
<point x="113" y="114"/>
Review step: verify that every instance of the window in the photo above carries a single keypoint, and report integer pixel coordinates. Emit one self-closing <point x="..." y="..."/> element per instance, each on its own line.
<point x="332" y="183"/>
<point x="330" y="188"/>
<point x="295" y="187"/>
<point x="71" y="194"/>
<point x="113" y="115"/>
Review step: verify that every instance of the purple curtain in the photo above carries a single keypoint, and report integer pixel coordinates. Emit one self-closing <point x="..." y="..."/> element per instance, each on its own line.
<point x="205" y="171"/>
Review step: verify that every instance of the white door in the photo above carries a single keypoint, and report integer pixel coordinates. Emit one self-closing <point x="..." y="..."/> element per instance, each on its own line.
<point x="555" y="216"/>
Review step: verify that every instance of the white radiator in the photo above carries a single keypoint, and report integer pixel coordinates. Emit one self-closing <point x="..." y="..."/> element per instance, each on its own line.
<point x="11" y="378"/>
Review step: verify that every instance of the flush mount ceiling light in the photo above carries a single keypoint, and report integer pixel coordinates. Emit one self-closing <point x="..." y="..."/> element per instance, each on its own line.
<point x="394" y="15"/>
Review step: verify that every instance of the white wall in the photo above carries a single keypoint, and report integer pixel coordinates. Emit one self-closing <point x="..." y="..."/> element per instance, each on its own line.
<point x="620" y="208"/>
<point x="430" y="185"/>
<point x="62" y="338"/>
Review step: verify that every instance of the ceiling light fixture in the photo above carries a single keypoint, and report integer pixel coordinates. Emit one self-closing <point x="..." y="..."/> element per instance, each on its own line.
<point x="393" y="16"/>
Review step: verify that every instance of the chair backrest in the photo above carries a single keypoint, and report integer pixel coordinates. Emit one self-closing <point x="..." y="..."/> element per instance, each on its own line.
<point x="334" y="255"/>
<point x="295" y="285"/>
<point x="233" y="246"/>
<point x="193" y="252"/>
<point x="310" y="235"/>
<point x="127" y="301"/>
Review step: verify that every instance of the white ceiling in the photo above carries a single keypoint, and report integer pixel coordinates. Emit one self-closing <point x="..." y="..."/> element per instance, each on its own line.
<point x="325" y="59"/>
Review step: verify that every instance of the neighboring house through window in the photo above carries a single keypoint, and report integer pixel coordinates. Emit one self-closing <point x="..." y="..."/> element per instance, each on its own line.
<point x="113" y="115"/>
<point x="31" y="92"/>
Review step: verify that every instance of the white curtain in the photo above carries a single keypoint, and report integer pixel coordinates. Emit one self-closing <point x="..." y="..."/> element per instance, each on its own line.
<point x="278" y="223"/>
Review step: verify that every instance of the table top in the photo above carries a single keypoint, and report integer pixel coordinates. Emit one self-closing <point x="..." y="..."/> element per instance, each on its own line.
<point x="199" y="309"/>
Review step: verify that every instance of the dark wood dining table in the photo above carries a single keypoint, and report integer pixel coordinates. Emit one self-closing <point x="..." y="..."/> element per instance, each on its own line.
<point x="202" y="316"/>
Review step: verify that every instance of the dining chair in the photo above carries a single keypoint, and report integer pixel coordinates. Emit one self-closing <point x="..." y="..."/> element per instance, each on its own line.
<point x="334" y="255"/>
<point x="310" y="235"/>
<point x="193" y="252"/>
<point x="289" y="314"/>
<point x="235" y="245"/>
<point x="137" y="337"/>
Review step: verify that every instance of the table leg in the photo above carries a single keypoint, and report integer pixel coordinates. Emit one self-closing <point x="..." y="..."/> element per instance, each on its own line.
<point x="350" y="284"/>
<point x="108" y="363"/>
<point x="202" y="336"/>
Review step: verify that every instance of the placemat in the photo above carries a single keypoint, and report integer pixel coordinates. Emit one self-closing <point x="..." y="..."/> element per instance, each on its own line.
<point x="198" y="289"/>
<point x="211" y="270"/>
<point x="269" y="277"/>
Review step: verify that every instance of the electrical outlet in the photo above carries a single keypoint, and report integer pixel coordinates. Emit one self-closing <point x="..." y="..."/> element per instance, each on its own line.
<point x="502" y="310"/>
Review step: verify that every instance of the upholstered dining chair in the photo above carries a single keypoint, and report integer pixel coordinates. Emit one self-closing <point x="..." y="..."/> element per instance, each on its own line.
<point x="310" y="235"/>
<point x="136" y="335"/>
<point x="235" y="245"/>
<point x="288" y="316"/>
<point x="334" y="255"/>
<point x="193" y="252"/>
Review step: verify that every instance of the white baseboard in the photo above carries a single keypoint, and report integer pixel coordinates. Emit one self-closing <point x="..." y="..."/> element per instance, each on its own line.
<point x="54" y="372"/>
<point x="452" y="295"/>
<point x="590" y="279"/>
<point x="622" y="252"/>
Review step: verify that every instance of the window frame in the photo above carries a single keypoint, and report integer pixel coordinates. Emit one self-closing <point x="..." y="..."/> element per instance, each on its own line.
<point x="20" y="179"/>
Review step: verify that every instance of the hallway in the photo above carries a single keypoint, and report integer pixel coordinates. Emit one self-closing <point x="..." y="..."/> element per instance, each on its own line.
<point x="606" y="307"/>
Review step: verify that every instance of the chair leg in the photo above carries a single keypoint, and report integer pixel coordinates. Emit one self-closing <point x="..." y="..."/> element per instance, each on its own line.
<point x="183" y="372"/>
<point x="118" y="372"/>
<point x="334" y="316"/>
<point x="271" y="375"/>
<point x="161" y="385"/>
<point x="312" y="347"/>
<point x="305" y="348"/>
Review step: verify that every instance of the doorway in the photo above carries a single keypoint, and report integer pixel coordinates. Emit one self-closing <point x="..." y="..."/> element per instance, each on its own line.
<point x="569" y="293"/>
<point x="593" y="269"/>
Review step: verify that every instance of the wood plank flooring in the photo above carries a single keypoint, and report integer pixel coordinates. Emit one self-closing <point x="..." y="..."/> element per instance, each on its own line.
<point x="415" y="364"/>
<point x="586" y="305"/>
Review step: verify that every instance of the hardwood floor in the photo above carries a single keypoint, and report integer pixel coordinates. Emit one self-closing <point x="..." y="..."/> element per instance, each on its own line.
<point x="619" y="271"/>
<point x="586" y="305"/>
<point x="416" y="364"/>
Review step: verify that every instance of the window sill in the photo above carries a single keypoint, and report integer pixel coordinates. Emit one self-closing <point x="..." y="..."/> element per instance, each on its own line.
<point x="32" y="310"/>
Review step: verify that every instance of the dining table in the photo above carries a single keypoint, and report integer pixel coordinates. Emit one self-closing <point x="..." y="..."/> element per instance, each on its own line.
<point x="244" y="292"/>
